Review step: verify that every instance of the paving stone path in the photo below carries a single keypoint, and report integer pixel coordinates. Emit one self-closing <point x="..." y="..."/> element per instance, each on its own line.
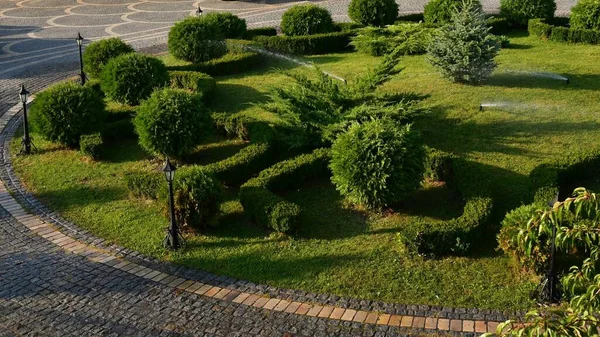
<point x="56" y="280"/>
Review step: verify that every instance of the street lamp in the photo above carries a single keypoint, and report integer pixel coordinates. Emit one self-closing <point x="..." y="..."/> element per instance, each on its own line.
<point x="199" y="11"/>
<point x="550" y="291"/>
<point x="79" y="40"/>
<point x="26" y="142"/>
<point x="172" y="239"/>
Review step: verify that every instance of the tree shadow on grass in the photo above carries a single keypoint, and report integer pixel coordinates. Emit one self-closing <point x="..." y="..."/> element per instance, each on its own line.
<point x="215" y="152"/>
<point x="234" y="98"/>
<point x="438" y="202"/>
<point x="81" y="195"/>
<point x="123" y="151"/>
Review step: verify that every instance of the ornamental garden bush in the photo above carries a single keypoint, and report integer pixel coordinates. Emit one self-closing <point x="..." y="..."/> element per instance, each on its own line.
<point x="306" y="20"/>
<point x="91" y="145"/>
<point x="66" y="111"/>
<point x="464" y="50"/>
<point x="230" y="25"/>
<point x="131" y="78"/>
<point x="376" y="13"/>
<point x="586" y="15"/>
<point x="407" y="38"/>
<point x="377" y="163"/>
<point x="518" y="12"/>
<point x="197" y="82"/>
<point x="172" y="122"/>
<point x="441" y="11"/>
<point x="196" y="39"/>
<point x="98" y="53"/>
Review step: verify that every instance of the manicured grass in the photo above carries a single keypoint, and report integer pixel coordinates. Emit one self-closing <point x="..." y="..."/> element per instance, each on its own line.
<point x="340" y="249"/>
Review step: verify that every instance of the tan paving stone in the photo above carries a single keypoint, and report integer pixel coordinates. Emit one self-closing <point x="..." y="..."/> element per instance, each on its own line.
<point x="160" y="277"/>
<point x="303" y="309"/>
<point x="152" y="275"/>
<point x="406" y="321"/>
<point x="222" y="293"/>
<point x="383" y="319"/>
<point x="281" y="306"/>
<point x="456" y="325"/>
<point x="241" y="298"/>
<point x="251" y="299"/>
<point x="480" y="326"/>
<point x="348" y="315"/>
<point x="395" y="320"/>
<point x="337" y="313"/>
<point x="431" y="323"/>
<point x="468" y="326"/>
<point x="360" y="316"/>
<point x="184" y="285"/>
<point x="271" y="303"/>
<point x="491" y="326"/>
<point x="418" y="322"/>
<point x="443" y="324"/>
<point x="314" y="311"/>
<point x="167" y="279"/>
<point x="371" y="318"/>
<point x="293" y="307"/>
<point x="203" y="289"/>
<point x="232" y="294"/>
<point x="260" y="302"/>
<point x="326" y="312"/>
<point x="212" y="291"/>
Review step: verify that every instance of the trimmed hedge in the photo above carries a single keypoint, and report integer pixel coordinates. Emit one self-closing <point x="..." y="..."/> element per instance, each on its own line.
<point x="264" y="31"/>
<point x="232" y="63"/>
<point x="236" y="169"/>
<point x="91" y="145"/>
<point x="243" y="127"/>
<point x="194" y="81"/>
<point x="271" y="210"/>
<point x="546" y="31"/>
<point x="308" y="44"/>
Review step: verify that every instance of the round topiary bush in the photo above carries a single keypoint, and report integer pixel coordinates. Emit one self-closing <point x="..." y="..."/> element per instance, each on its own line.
<point x="586" y="15"/>
<point x="172" y="122"/>
<point x="376" y="13"/>
<point x="441" y="11"/>
<point x="518" y="12"/>
<point x="131" y="78"/>
<point x="66" y="111"/>
<point x="197" y="39"/>
<point x="98" y="53"/>
<point x="377" y="163"/>
<point x="306" y="20"/>
<point x="231" y="26"/>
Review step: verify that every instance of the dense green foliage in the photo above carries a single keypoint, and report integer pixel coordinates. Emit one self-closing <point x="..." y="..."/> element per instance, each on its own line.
<point x="231" y="63"/>
<point x="230" y="25"/>
<point x="270" y="210"/>
<point x="307" y="19"/>
<point x="408" y="38"/>
<point x="196" y="39"/>
<point x="377" y="163"/>
<point x="441" y="11"/>
<point x="172" y="122"/>
<point x="261" y="31"/>
<point x="98" y="53"/>
<point x="546" y="31"/>
<point x="586" y="15"/>
<point x="307" y="44"/>
<point x="131" y="78"/>
<point x="518" y="12"/>
<point x="376" y="13"/>
<point x="199" y="83"/>
<point x="236" y="169"/>
<point x="66" y="111"/>
<point x="464" y="50"/>
<point x="91" y="145"/>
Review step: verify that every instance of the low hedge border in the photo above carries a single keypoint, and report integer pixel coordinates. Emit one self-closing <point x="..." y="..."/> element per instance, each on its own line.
<point x="233" y="63"/>
<point x="266" y="208"/>
<point x="308" y="44"/>
<point x="236" y="169"/>
<point x="194" y="81"/>
<point x="455" y="236"/>
<point x="555" y="32"/>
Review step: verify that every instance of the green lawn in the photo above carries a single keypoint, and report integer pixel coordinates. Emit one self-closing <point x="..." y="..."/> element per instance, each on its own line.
<point x="341" y="249"/>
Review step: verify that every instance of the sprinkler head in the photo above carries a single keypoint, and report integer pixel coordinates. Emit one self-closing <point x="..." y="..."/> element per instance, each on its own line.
<point x="568" y="81"/>
<point x="481" y="107"/>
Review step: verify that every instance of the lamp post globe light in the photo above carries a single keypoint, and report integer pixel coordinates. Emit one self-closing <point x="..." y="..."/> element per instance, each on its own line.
<point x="172" y="239"/>
<point x="79" y="40"/>
<point x="26" y="142"/>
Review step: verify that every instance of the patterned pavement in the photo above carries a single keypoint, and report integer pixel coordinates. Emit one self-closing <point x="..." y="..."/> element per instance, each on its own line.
<point x="45" y="291"/>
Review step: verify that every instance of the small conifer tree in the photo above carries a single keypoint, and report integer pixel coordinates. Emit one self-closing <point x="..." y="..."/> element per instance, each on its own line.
<point x="464" y="50"/>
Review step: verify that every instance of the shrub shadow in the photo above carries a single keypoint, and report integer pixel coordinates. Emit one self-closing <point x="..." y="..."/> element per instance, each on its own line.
<point x="82" y="195"/>
<point x="233" y="98"/>
<point x="123" y="151"/>
<point x="215" y="152"/>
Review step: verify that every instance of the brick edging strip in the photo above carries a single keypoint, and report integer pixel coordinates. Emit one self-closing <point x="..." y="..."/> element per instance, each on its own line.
<point x="43" y="221"/>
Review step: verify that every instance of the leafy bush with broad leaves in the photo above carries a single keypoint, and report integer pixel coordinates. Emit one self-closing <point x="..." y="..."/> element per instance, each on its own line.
<point x="376" y="13"/>
<point x="197" y="39"/>
<point x="66" y="111"/>
<point x="98" y="53"/>
<point x="518" y="12"/>
<point x="230" y="25"/>
<point x="172" y="122"/>
<point x="407" y="38"/>
<point x="377" y="163"/>
<point x="91" y="145"/>
<point x="464" y="50"/>
<point x="586" y="15"/>
<point x="440" y="11"/>
<point x="577" y="226"/>
<point x="131" y="78"/>
<point x="306" y="19"/>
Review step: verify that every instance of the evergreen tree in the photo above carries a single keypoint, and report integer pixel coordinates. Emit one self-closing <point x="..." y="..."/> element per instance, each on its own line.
<point x="464" y="50"/>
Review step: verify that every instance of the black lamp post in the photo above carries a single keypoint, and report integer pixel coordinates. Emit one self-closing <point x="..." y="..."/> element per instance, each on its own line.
<point x="550" y="283"/>
<point x="26" y="139"/>
<point x="79" y="40"/>
<point x="199" y="11"/>
<point x="172" y="239"/>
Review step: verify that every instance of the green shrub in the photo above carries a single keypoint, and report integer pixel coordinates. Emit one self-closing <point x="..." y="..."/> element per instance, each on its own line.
<point x="546" y="31"/>
<point x="498" y="26"/>
<point x="539" y="28"/>
<point x="119" y="130"/>
<point x="464" y="50"/>
<point x="262" y="31"/>
<point x="95" y="85"/>
<point x="518" y="12"/>
<point x="66" y="111"/>
<point x="441" y="11"/>
<point x="200" y="83"/>
<point x="116" y="112"/>
<point x="307" y="45"/>
<point x="407" y="38"/>
<point x="172" y="122"/>
<point x="270" y="210"/>
<point x="438" y="164"/>
<point x="347" y="26"/>
<point x="415" y="18"/>
<point x="91" y="145"/>
<point x="376" y="13"/>
<point x="306" y="19"/>
<point x="560" y="34"/>
<point x="143" y="184"/>
<point x="237" y="169"/>
<point x="131" y="78"/>
<point x="377" y="163"/>
<point x="98" y="53"/>
<point x="231" y="26"/>
<point x="232" y="63"/>
<point x="196" y="39"/>
<point x="586" y="15"/>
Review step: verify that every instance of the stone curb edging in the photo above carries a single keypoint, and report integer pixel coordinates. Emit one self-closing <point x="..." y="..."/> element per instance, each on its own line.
<point x="456" y="321"/>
